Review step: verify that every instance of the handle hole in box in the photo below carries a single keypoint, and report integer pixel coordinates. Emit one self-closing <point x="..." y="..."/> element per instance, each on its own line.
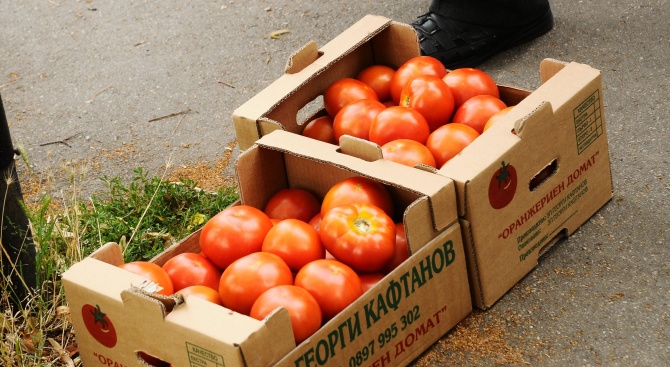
<point x="544" y="174"/>
<point x="311" y="110"/>
<point x="151" y="360"/>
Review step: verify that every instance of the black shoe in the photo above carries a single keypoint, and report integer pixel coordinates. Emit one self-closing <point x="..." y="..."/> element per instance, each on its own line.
<point x="461" y="44"/>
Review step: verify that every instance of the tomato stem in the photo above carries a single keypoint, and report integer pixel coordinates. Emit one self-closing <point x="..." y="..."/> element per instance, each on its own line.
<point x="363" y="225"/>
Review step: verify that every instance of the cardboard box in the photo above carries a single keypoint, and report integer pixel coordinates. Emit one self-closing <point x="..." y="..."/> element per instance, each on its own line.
<point x="285" y="103"/>
<point x="390" y="325"/>
<point x="560" y="128"/>
<point x="554" y="146"/>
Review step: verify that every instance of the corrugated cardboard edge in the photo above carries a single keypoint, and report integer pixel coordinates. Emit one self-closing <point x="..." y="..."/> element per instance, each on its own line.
<point x="542" y="111"/>
<point x="246" y="118"/>
<point x="387" y="172"/>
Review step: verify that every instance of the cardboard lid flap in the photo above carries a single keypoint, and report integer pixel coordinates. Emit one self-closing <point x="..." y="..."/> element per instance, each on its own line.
<point x="360" y="148"/>
<point x="302" y="58"/>
<point x="549" y="68"/>
<point x="110" y="253"/>
<point x="531" y="124"/>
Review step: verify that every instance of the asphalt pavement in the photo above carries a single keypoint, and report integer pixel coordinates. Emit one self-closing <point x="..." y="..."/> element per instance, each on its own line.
<point x="97" y="88"/>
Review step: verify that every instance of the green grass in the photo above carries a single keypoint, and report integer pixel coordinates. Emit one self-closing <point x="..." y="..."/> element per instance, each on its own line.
<point x="144" y="215"/>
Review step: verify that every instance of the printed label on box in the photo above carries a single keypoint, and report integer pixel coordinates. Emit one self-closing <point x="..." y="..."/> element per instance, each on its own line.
<point x="199" y="357"/>
<point x="588" y="121"/>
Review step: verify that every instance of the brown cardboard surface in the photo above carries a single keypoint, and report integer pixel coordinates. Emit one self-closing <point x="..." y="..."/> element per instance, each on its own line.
<point x="561" y="123"/>
<point x="371" y="40"/>
<point x="394" y="322"/>
<point x="193" y="328"/>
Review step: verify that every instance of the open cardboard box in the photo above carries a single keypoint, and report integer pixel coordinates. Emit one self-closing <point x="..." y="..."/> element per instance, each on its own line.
<point x="390" y="325"/>
<point x="557" y="131"/>
<point x="553" y="145"/>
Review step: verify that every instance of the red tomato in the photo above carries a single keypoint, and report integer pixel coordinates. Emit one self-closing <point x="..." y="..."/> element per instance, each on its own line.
<point x="358" y="189"/>
<point x="99" y="325"/>
<point x="302" y="308"/>
<point x="232" y="233"/>
<point x="431" y="96"/>
<point x="399" y="122"/>
<point x="449" y="140"/>
<point x="248" y="277"/>
<point x="315" y="222"/>
<point x="378" y="77"/>
<point x="420" y="65"/>
<point x="152" y="272"/>
<point x="359" y="235"/>
<point x="369" y="280"/>
<point x="188" y="269"/>
<point x="293" y="203"/>
<point x="321" y="128"/>
<point x="408" y="152"/>
<point x="296" y="242"/>
<point x="344" y="91"/>
<point x="497" y="117"/>
<point x="401" y="252"/>
<point x="502" y="186"/>
<point x="466" y="83"/>
<point x="333" y="284"/>
<point x="201" y="291"/>
<point x="356" y="117"/>
<point x="476" y="111"/>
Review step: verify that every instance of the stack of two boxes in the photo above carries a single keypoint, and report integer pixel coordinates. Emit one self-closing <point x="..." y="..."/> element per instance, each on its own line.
<point x="470" y="240"/>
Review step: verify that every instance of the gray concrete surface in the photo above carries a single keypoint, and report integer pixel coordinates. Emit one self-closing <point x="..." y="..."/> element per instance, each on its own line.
<point x="92" y="74"/>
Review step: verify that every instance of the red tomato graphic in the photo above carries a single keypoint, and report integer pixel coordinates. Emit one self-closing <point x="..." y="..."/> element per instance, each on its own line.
<point x="502" y="186"/>
<point x="98" y="325"/>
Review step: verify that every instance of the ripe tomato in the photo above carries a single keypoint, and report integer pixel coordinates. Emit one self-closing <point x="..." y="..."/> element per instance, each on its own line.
<point x="408" y="152"/>
<point x="296" y="242"/>
<point x="431" y="96"/>
<point x="356" y="117"/>
<point x="476" y="111"/>
<point x="378" y="77"/>
<point x="99" y="325"/>
<point x="232" y="233"/>
<point x="399" y="122"/>
<point x="344" y="91"/>
<point x="497" y="117"/>
<point x="321" y="128"/>
<point x="315" y="222"/>
<point x="188" y="269"/>
<point x="152" y="272"/>
<point x="466" y="83"/>
<point x="359" y="235"/>
<point x="369" y="280"/>
<point x="358" y="189"/>
<point x="449" y="140"/>
<point x="292" y="203"/>
<point x="302" y="308"/>
<point x="420" y="65"/>
<point x="401" y="252"/>
<point x="502" y="186"/>
<point x="333" y="284"/>
<point x="248" y="277"/>
<point x="201" y="291"/>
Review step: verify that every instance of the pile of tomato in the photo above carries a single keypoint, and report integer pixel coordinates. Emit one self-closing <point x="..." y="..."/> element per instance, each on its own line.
<point x="419" y="113"/>
<point x="313" y="257"/>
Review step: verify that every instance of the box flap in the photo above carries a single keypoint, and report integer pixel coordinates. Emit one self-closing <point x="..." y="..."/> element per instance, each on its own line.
<point x="549" y="68"/>
<point x="302" y="58"/>
<point x="290" y="160"/>
<point x="110" y="253"/>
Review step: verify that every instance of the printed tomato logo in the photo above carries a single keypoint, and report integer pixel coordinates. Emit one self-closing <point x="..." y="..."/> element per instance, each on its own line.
<point x="502" y="186"/>
<point x="98" y="325"/>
